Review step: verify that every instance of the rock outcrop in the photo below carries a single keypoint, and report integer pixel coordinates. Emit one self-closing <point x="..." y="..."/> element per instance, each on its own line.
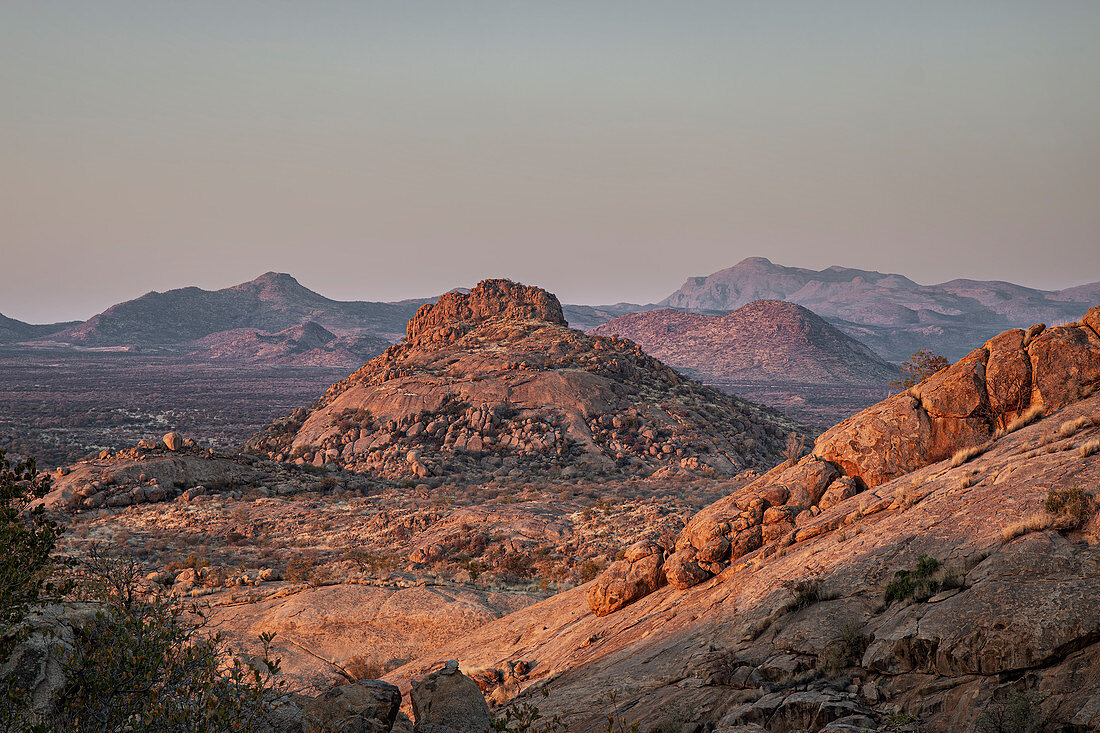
<point x="965" y="405"/>
<point x="951" y="411"/>
<point x="492" y="381"/>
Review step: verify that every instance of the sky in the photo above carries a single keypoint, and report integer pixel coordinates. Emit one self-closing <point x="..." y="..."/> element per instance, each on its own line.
<point x="603" y="150"/>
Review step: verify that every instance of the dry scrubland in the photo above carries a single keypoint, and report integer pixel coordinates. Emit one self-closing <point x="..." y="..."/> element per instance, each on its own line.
<point x="930" y="564"/>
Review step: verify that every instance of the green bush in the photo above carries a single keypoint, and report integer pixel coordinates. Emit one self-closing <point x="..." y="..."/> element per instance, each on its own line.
<point x="920" y="584"/>
<point x="1073" y="502"/>
<point x="27" y="540"/>
<point x="146" y="662"/>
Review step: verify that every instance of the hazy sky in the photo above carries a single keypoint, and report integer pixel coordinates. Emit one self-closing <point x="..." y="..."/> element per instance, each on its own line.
<point x="604" y="150"/>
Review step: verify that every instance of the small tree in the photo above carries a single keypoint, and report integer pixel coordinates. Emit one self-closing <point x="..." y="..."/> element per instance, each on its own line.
<point x="920" y="366"/>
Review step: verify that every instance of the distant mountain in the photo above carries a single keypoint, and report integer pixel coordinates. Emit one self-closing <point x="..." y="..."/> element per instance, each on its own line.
<point x="585" y="317"/>
<point x="307" y="344"/>
<point x="766" y="341"/>
<point x="13" y="330"/>
<point x="888" y="312"/>
<point x="271" y="303"/>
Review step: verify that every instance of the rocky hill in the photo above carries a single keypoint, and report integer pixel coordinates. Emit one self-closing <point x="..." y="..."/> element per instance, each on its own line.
<point x="12" y="330"/>
<point x="888" y="312"/>
<point x="931" y="566"/>
<point x="766" y="341"/>
<point x="305" y="345"/>
<point x="271" y="303"/>
<point x="494" y="381"/>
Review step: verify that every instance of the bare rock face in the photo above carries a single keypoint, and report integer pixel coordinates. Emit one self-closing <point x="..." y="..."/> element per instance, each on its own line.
<point x="965" y="404"/>
<point x="448" y="701"/>
<point x="639" y="573"/>
<point x="490" y="299"/>
<point x="367" y="706"/>
<point x="495" y="376"/>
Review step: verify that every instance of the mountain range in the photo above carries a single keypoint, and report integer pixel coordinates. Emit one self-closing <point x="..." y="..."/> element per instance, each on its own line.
<point x="890" y="313"/>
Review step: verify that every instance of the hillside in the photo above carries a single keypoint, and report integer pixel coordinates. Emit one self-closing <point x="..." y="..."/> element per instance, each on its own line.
<point x="766" y="341"/>
<point x="888" y="312"/>
<point x="932" y="563"/>
<point x="495" y="375"/>
<point x="271" y="303"/>
<point x="12" y="330"/>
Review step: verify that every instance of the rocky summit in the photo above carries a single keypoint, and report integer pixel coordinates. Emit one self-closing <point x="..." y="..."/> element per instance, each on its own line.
<point x="494" y="381"/>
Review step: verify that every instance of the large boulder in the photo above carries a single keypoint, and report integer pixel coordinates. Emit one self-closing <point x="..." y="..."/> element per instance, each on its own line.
<point x="638" y="574"/>
<point x="367" y="706"/>
<point x="448" y="701"/>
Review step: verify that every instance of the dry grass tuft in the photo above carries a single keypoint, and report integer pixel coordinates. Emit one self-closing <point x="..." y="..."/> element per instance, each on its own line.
<point x="1070" y="427"/>
<point x="1026" y="418"/>
<point x="965" y="454"/>
<point x="1087" y="449"/>
<point x="1031" y="523"/>
<point x="908" y="495"/>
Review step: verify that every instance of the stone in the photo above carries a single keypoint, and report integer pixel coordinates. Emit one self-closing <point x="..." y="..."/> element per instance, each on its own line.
<point x="173" y="441"/>
<point x="448" y="701"/>
<point x="367" y="706"/>
<point x="638" y="574"/>
<point x="682" y="571"/>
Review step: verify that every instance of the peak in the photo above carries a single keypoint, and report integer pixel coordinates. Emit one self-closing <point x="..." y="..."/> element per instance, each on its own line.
<point x="497" y="298"/>
<point x="273" y="278"/>
<point x="756" y="262"/>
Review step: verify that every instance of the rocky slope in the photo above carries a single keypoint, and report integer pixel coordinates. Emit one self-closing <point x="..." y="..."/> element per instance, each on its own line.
<point x="767" y="341"/>
<point x="888" y="312"/>
<point x="308" y="344"/>
<point x="493" y="380"/>
<point x="271" y="303"/>
<point x="932" y="561"/>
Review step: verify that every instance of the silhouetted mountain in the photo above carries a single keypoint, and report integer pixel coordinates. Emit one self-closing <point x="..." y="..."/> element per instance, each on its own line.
<point x="13" y="330"/>
<point x="272" y="302"/>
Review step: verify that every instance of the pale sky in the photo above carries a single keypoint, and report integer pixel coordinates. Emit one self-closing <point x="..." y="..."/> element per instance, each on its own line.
<point x="603" y="150"/>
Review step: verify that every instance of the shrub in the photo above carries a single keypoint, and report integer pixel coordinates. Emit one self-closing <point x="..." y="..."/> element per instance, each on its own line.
<point x="920" y="366"/>
<point x="806" y="593"/>
<point x="147" y="663"/>
<point x="1019" y="714"/>
<point x="27" y="538"/>
<point x="298" y="570"/>
<point x="919" y="584"/>
<point x="1072" y="502"/>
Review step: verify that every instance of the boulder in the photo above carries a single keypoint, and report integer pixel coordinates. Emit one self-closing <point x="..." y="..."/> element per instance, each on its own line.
<point x="638" y="574"/>
<point x="173" y="441"/>
<point x="448" y="701"/>
<point x="683" y="571"/>
<point x="367" y="706"/>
